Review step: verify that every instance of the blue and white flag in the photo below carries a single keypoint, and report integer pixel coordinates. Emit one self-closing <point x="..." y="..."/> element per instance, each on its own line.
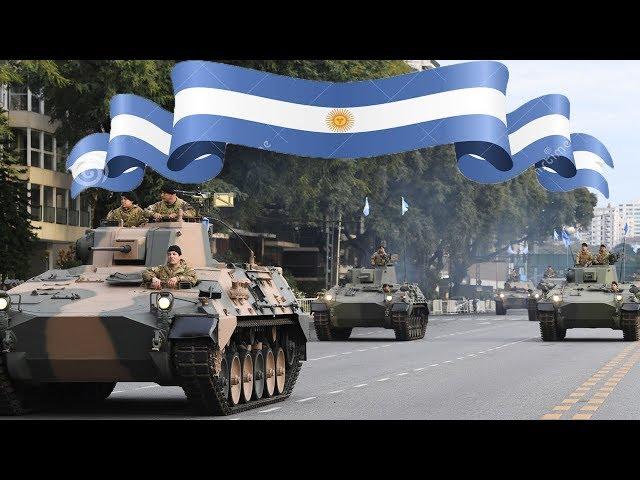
<point x="525" y="250"/>
<point x="510" y="251"/>
<point x="565" y="238"/>
<point x="218" y="104"/>
<point x="555" y="234"/>
<point x="626" y="227"/>
<point x="365" y="210"/>
<point x="405" y="206"/>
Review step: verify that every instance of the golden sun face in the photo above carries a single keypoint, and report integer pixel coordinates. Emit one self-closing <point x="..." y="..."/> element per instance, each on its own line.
<point x="339" y="120"/>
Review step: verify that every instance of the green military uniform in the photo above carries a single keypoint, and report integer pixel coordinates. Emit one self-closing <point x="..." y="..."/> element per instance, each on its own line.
<point x="131" y="217"/>
<point x="549" y="272"/>
<point x="182" y="271"/>
<point x="379" y="259"/>
<point x="164" y="209"/>
<point x="584" y="258"/>
<point x="603" y="257"/>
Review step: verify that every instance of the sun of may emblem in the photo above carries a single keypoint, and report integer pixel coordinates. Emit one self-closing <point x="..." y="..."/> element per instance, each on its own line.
<point x="340" y="120"/>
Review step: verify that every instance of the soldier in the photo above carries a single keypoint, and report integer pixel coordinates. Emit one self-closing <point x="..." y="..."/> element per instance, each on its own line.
<point x="514" y="276"/>
<point x="614" y="287"/>
<point x="170" y="206"/>
<point x="584" y="258"/>
<point x="174" y="271"/>
<point x="549" y="272"/>
<point x="380" y="257"/>
<point x="602" y="258"/>
<point x="130" y="213"/>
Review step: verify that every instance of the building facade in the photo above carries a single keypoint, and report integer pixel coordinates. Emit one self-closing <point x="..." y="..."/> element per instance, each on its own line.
<point x="608" y="222"/>
<point x="59" y="219"/>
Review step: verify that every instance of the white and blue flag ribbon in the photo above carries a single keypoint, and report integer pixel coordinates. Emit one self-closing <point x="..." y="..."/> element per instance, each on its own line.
<point x="626" y="227"/>
<point x="565" y="238"/>
<point x="365" y="210"/>
<point x="555" y="234"/>
<point x="405" y="206"/>
<point x="218" y="104"/>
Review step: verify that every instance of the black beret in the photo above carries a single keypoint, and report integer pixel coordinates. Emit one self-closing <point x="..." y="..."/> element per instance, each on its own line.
<point x="130" y="196"/>
<point x="174" y="248"/>
<point x="168" y="189"/>
<point x="585" y="245"/>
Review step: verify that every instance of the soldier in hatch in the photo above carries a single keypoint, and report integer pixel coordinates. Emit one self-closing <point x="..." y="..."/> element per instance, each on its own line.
<point x="172" y="273"/>
<point x="380" y="257"/>
<point x="170" y="206"/>
<point x="584" y="258"/>
<point x="602" y="258"/>
<point x="128" y="211"/>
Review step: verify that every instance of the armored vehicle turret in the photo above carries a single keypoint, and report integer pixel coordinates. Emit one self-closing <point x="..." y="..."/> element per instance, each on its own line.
<point x="371" y="297"/>
<point x="234" y="340"/>
<point x="586" y="299"/>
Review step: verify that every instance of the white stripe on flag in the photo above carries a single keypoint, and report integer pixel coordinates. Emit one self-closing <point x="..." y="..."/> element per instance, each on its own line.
<point x="540" y="128"/>
<point x="226" y="103"/>
<point x="125" y="124"/>
<point x="94" y="160"/>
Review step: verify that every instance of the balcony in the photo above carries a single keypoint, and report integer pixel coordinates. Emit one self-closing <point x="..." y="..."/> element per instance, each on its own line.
<point x="61" y="216"/>
<point x="85" y="220"/>
<point x="74" y="218"/>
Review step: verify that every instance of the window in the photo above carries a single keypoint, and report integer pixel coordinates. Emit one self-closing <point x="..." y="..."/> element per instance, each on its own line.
<point x="61" y="206"/>
<point x="36" y="208"/>
<point x="20" y="144"/>
<point x="36" y="149"/>
<point x="36" y="101"/>
<point x="17" y="97"/>
<point x="49" y="207"/>
<point x="61" y="157"/>
<point x="48" y="152"/>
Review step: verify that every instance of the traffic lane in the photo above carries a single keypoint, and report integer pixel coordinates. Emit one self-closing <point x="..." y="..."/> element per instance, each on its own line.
<point x="518" y="381"/>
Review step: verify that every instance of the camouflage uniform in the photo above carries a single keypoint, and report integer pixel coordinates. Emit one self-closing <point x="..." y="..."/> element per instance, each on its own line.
<point x="549" y="272"/>
<point x="514" y="276"/>
<point x="583" y="258"/>
<point x="603" y="257"/>
<point x="164" y="209"/>
<point x="131" y="217"/>
<point x="379" y="259"/>
<point x="182" y="271"/>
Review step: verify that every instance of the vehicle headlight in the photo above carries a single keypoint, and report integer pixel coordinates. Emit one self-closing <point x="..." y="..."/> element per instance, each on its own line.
<point x="502" y="295"/>
<point x="556" y="298"/>
<point x="4" y="303"/>
<point x="619" y="297"/>
<point x="537" y="295"/>
<point x="165" y="302"/>
<point x="388" y="298"/>
<point x="328" y="297"/>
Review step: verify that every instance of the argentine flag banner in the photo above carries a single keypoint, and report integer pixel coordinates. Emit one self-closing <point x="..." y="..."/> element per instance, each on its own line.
<point x="218" y="104"/>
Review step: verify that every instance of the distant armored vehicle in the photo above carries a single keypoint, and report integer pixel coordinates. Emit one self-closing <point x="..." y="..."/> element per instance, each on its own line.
<point x="234" y="340"/>
<point x="371" y="297"/>
<point x="587" y="300"/>
<point x="515" y="294"/>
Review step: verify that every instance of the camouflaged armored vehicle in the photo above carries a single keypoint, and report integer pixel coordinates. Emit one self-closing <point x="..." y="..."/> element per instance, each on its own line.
<point x="586" y="300"/>
<point x="233" y="341"/>
<point x="371" y="297"/>
<point x="545" y="284"/>
<point x="516" y="295"/>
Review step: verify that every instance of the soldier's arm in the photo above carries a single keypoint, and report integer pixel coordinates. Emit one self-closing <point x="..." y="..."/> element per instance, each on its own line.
<point x="188" y="210"/>
<point x="111" y="214"/>
<point x="149" y="273"/>
<point x="188" y="275"/>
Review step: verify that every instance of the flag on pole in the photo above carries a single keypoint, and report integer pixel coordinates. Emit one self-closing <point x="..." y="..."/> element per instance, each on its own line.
<point x="626" y="227"/>
<point x="577" y="235"/>
<point x="365" y="210"/>
<point x="510" y="251"/>
<point x="525" y="250"/>
<point x="565" y="238"/>
<point x="405" y="206"/>
<point x="555" y="234"/>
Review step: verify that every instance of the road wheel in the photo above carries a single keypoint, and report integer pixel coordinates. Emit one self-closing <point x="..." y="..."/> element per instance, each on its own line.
<point x="321" y="325"/>
<point x="270" y="372"/>
<point x="258" y="374"/>
<point x="235" y="378"/>
<point x="247" y="375"/>
<point x="500" y="310"/>
<point x="281" y="370"/>
<point x="630" y="328"/>
<point x="549" y="329"/>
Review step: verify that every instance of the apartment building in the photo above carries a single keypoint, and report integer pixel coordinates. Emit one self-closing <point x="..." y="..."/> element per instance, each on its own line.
<point x="59" y="219"/>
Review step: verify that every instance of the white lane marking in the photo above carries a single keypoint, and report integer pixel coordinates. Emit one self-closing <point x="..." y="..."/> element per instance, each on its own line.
<point x="335" y="391"/>
<point x="134" y="389"/>
<point x="383" y="379"/>
<point x="434" y="364"/>
<point x="387" y="345"/>
<point x="448" y="361"/>
<point x="459" y="358"/>
<point x="305" y="399"/>
<point x="346" y="353"/>
<point x="471" y="355"/>
<point x="363" y="350"/>
<point x="402" y="374"/>
<point x="360" y="385"/>
<point x="484" y="323"/>
<point x="321" y="358"/>
<point x="270" y="410"/>
<point x="482" y="352"/>
<point x="374" y="348"/>
<point x="418" y="369"/>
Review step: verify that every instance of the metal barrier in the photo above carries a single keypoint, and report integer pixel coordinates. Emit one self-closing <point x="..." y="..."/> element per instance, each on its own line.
<point x="305" y="304"/>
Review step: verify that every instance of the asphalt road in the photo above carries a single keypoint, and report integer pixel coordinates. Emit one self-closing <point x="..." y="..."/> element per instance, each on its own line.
<point x="467" y="367"/>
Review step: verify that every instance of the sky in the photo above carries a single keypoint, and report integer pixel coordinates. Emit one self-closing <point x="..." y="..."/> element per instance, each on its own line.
<point x="605" y="103"/>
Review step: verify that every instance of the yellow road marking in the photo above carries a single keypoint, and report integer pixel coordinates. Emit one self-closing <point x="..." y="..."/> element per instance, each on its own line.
<point x="551" y="416"/>
<point x="562" y="407"/>
<point x="581" y="416"/>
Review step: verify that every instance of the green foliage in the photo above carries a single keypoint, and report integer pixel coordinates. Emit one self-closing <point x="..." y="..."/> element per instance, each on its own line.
<point x="17" y="235"/>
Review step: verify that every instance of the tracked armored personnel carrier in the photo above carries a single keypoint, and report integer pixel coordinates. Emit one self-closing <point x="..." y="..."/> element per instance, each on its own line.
<point x="233" y="341"/>
<point x="515" y="295"/>
<point x="586" y="300"/>
<point x="371" y="297"/>
<point x="545" y="284"/>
